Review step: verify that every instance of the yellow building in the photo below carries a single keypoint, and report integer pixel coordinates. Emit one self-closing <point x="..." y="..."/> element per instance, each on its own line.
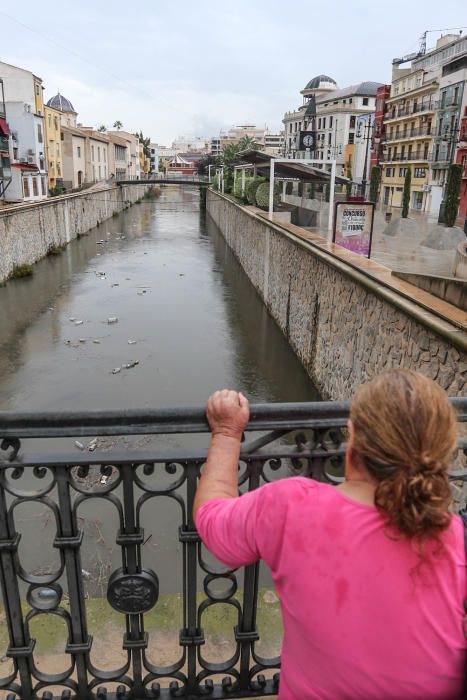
<point x="408" y="141"/>
<point x="38" y="96"/>
<point x="53" y="146"/>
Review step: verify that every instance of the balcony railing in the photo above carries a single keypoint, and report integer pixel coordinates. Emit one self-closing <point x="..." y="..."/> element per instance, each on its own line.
<point x="290" y="439"/>
<point x="396" y="113"/>
<point x="398" y="157"/>
<point x="409" y="134"/>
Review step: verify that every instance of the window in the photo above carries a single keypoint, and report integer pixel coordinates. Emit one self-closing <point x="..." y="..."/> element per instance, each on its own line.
<point x="37" y="89"/>
<point x="324" y="122"/>
<point x="388" y="172"/>
<point x="98" y="153"/>
<point x="365" y="101"/>
<point x="419" y="172"/>
<point x="56" y="123"/>
<point x="319" y="123"/>
<point x="43" y="186"/>
<point x="41" y="163"/>
<point x="350" y="101"/>
<point x="403" y="172"/>
<point x="330" y="122"/>
<point x="50" y="122"/>
<point x="26" y="187"/>
<point x="35" y="189"/>
<point x="78" y="150"/>
<point x="352" y="121"/>
<point x="92" y="152"/>
<point x="59" y="170"/>
<point x="351" y="138"/>
<point x="329" y="138"/>
<point x="39" y="133"/>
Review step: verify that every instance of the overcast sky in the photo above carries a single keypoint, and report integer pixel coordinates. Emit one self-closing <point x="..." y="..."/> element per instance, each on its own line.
<point x="193" y="67"/>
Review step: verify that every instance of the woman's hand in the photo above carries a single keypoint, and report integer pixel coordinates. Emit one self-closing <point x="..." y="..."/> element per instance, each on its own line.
<point x="228" y="413"/>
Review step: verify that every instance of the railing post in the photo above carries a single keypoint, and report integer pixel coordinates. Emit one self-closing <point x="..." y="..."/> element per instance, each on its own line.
<point x="69" y="539"/>
<point x="20" y="646"/>
<point x="247" y="633"/>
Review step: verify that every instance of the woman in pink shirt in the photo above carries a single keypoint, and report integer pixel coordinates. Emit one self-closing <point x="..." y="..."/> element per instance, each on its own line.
<point x="371" y="574"/>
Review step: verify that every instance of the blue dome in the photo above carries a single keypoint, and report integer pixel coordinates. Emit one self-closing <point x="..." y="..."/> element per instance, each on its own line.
<point x="61" y="103"/>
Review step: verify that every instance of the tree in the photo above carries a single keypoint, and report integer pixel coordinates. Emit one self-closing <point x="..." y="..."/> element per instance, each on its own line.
<point x="248" y="143"/>
<point x="146" y="141"/>
<point x="452" y="194"/>
<point x="348" y="185"/>
<point x="102" y="128"/>
<point x="375" y="182"/>
<point x="118" y="125"/>
<point x="406" y="193"/>
<point x="204" y="162"/>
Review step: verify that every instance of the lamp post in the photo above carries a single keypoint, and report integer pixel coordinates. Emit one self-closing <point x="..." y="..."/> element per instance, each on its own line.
<point x="366" y="136"/>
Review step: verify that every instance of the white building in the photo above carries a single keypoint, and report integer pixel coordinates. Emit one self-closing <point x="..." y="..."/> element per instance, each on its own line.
<point x="191" y="144"/>
<point x="24" y="108"/>
<point x="302" y="118"/>
<point x="273" y="144"/>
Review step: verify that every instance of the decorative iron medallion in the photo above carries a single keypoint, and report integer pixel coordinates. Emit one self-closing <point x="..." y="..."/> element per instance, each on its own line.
<point x="133" y="593"/>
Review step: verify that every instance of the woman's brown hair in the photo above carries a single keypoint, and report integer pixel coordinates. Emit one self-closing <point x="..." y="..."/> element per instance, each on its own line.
<point x="405" y="436"/>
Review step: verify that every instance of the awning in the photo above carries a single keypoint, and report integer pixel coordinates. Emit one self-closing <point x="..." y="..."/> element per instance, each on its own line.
<point x="291" y="169"/>
<point x="4" y="128"/>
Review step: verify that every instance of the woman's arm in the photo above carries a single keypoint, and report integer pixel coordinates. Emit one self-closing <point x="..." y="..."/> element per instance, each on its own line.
<point x="228" y="413"/>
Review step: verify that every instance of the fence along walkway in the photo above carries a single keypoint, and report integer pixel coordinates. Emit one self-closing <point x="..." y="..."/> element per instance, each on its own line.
<point x="282" y="439"/>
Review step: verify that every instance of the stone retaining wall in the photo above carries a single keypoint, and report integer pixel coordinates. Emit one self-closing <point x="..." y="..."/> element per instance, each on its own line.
<point x="28" y="232"/>
<point x="341" y="330"/>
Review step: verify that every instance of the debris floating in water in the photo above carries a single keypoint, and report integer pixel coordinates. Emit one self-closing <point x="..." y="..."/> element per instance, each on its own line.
<point x="116" y="370"/>
<point x="82" y="340"/>
<point x="96" y="341"/>
<point x="129" y="365"/>
<point x="78" y="323"/>
<point x="79" y="445"/>
<point x="92" y="445"/>
<point x="132" y="342"/>
<point x="112" y="319"/>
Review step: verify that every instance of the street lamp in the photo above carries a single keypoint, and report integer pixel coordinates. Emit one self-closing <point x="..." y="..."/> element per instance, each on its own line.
<point x="366" y="136"/>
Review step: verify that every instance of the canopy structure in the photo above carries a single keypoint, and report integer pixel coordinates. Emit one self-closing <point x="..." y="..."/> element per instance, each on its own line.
<point x="302" y="169"/>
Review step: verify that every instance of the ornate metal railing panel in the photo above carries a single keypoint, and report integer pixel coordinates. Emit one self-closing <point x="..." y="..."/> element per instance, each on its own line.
<point x="283" y="439"/>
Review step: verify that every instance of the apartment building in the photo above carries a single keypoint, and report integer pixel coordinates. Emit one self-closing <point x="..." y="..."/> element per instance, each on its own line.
<point x="411" y="124"/>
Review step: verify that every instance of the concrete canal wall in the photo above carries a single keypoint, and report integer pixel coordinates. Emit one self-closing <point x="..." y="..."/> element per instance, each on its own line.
<point x="345" y="317"/>
<point x="28" y="232"/>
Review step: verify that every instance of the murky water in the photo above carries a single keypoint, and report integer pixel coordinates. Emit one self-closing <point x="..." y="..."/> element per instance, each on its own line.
<point x="175" y="288"/>
<point x="165" y="272"/>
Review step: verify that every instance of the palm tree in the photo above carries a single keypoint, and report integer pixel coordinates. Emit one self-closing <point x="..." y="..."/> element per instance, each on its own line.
<point x="118" y="125"/>
<point x="248" y="143"/>
<point x="146" y="141"/>
<point x="102" y="128"/>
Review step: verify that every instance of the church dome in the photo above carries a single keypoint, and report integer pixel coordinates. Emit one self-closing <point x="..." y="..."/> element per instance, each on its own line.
<point x="61" y="103"/>
<point x="320" y="82"/>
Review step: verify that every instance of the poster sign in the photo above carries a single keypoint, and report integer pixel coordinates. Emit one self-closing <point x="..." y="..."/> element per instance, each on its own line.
<point x="353" y="226"/>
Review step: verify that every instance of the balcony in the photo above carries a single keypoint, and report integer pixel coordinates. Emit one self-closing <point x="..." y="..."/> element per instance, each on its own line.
<point x="400" y="112"/>
<point x="411" y="157"/>
<point x="419" y="132"/>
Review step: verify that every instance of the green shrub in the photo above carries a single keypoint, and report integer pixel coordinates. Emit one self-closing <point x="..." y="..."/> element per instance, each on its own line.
<point x="215" y="182"/>
<point x="289" y="188"/>
<point x="21" y="271"/>
<point x="252" y="187"/>
<point x="348" y="185"/>
<point x="452" y="194"/>
<point x="311" y="191"/>
<point x="262" y="195"/>
<point x="55" y="249"/>
<point x="327" y="191"/>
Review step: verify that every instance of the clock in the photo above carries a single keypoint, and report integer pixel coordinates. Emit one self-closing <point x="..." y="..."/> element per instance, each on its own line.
<point x="308" y="140"/>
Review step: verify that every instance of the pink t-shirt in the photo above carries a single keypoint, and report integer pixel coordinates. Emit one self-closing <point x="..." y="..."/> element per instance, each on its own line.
<point x="361" y="620"/>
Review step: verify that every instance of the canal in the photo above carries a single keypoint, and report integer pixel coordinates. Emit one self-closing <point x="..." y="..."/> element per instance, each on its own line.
<point x="190" y="318"/>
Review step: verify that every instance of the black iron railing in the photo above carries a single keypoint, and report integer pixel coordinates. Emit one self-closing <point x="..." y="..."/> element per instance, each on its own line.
<point x="282" y="440"/>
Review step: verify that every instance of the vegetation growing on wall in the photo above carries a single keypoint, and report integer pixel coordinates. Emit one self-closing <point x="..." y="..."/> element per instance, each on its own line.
<point x="21" y="271"/>
<point x="289" y="188"/>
